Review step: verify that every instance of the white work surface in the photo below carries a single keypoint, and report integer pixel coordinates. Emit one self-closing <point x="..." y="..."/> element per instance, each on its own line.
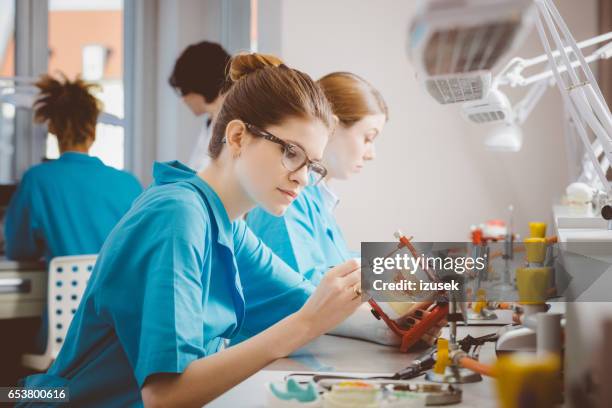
<point x="332" y="354"/>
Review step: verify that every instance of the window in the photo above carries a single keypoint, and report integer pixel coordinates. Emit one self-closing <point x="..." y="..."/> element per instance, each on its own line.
<point x="7" y="91"/>
<point x="86" y="38"/>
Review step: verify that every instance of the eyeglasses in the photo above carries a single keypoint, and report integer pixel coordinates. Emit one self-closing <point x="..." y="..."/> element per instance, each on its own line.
<point x="294" y="156"/>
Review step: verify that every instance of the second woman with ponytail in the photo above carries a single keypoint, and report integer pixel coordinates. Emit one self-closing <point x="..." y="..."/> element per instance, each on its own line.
<point x="166" y="290"/>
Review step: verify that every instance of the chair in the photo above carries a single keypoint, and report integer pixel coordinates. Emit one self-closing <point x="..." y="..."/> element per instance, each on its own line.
<point x="67" y="280"/>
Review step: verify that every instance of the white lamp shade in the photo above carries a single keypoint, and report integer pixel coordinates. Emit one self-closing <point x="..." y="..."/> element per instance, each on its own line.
<point x="505" y="137"/>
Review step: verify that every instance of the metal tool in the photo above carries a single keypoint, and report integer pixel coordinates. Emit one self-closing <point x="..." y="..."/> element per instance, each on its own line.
<point x="450" y="356"/>
<point x="434" y="394"/>
<point x="418" y="367"/>
<point x="508" y="252"/>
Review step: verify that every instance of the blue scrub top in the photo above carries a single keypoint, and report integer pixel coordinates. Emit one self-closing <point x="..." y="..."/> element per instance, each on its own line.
<point x="307" y="236"/>
<point x="174" y="278"/>
<point x="67" y="206"/>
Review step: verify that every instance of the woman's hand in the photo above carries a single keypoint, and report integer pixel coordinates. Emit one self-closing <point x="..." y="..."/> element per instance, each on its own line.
<point x="336" y="298"/>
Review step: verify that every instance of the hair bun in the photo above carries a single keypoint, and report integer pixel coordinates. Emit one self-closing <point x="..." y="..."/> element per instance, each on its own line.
<point x="245" y="64"/>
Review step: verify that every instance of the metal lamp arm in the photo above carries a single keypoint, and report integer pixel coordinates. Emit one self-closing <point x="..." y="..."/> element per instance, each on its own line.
<point x="512" y="73"/>
<point x="525" y="106"/>
<point x="584" y="100"/>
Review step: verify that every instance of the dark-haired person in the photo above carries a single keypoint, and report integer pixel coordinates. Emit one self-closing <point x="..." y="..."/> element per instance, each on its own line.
<point x="181" y="271"/>
<point x="69" y="205"/>
<point x="199" y="77"/>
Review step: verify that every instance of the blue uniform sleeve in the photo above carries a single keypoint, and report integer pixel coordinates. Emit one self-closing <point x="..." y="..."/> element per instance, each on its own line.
<point x="272" y="290"/>
<point x="160" y="328"/>
<point x="292" y="238"/>
<point x="23" y="235"/>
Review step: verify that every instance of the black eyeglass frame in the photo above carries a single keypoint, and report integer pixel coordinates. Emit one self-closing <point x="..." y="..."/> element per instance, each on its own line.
<point x="321" y="170"/>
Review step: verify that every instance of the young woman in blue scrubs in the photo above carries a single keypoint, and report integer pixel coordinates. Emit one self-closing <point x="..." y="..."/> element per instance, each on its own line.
<point x="181" y="271"/>
<point x="307" y="236"/>
<point x="67" y="206"/>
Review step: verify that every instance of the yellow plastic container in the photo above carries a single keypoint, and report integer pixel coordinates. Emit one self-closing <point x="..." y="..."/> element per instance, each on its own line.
<point x="533" y="284"/>
<point x="537" y="229"/>
<point x="524" y="380"/>
<point x="535" y="249"/>
<point x="481" y="300"/>
<point x="442" y="358"/>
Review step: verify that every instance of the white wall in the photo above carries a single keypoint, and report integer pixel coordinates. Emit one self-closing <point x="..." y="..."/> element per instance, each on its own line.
<point x="180" y="23"/>
<point x="433" y="177"/>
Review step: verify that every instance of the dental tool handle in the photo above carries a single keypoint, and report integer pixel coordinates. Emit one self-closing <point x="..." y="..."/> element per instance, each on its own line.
<point x="405" y="242"/>
<point x="452" y="310"/>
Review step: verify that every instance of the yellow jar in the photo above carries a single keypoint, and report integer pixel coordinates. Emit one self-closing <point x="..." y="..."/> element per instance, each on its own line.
<point x="537" y="229"/>
<point x="533" y="284"/>
<point x="535" y="249"/>
<point x="524" y="380"/>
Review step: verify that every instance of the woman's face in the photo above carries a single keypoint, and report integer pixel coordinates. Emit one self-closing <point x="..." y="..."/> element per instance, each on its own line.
<point x="350" y="147"/>
<point x="260" y="167"/>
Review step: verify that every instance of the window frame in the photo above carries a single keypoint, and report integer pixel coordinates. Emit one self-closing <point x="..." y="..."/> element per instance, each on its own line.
<point x="31" y="60"/>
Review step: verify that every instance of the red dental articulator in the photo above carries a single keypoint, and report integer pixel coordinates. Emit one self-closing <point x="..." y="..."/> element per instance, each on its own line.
<point x="440" y="311"/>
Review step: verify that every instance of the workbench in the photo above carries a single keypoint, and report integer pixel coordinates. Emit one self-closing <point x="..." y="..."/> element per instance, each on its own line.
<point x="333" y="354"/>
